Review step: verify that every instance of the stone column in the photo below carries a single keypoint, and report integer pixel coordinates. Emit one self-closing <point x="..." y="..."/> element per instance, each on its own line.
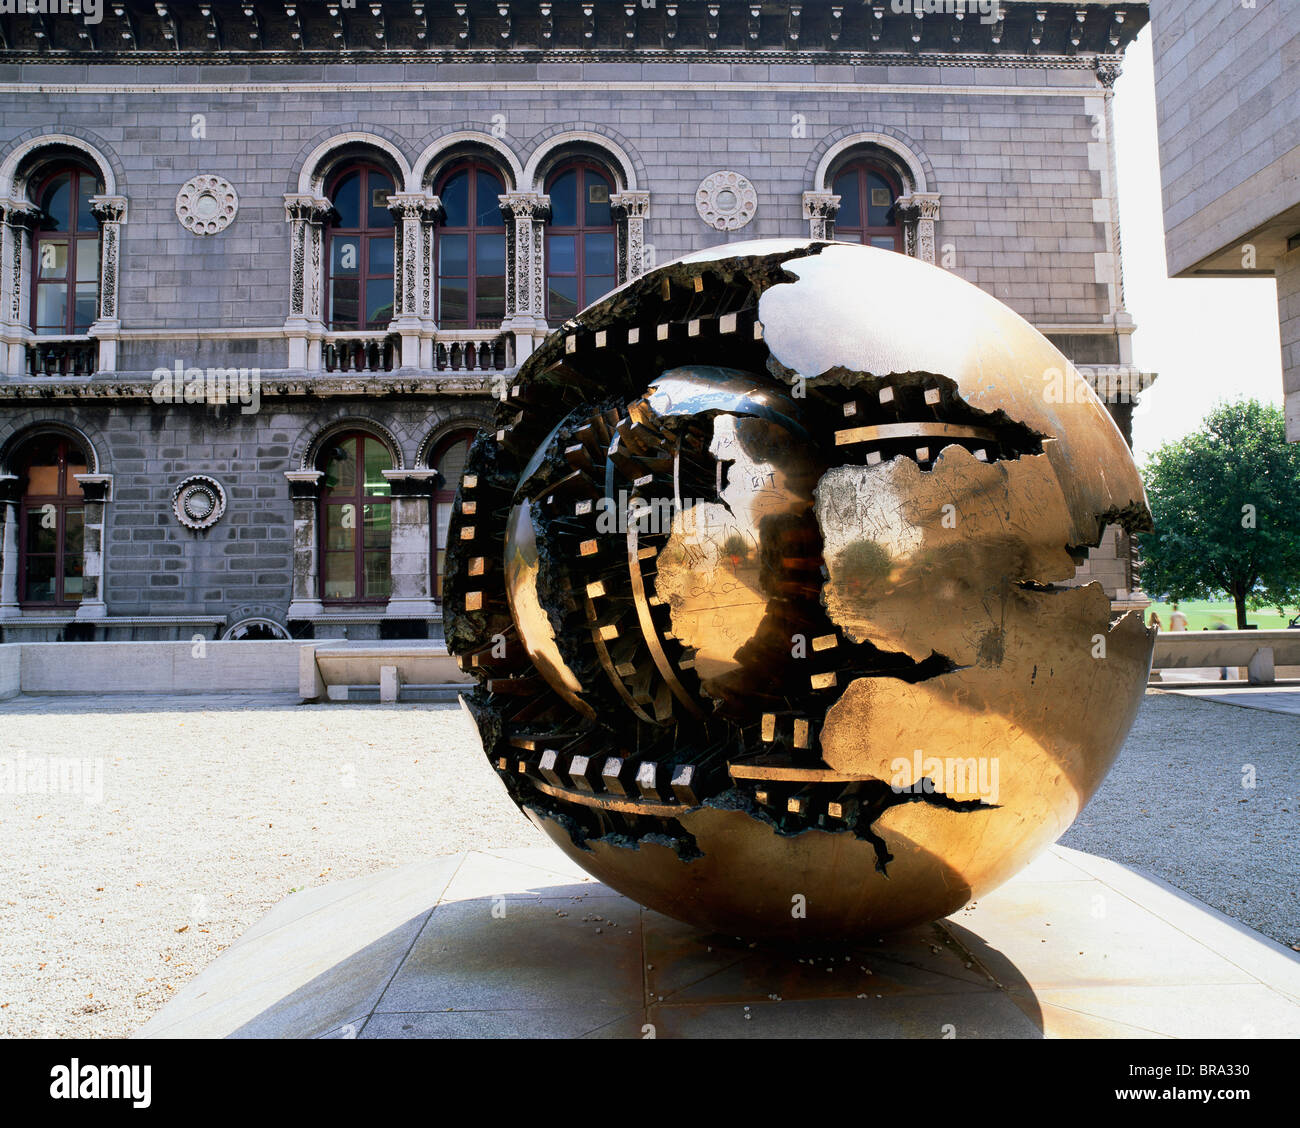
<point x="525" y="214"/>
<point x="927" y="207"/>
<point x="111" y="213"/>
<point x="409" y="565"/>
<point x="630" y="210"/>
<point x="20" y="218"/>
<point x="414" y="215"/>
<point x="306" y="323"/>
<point x="9" y="608"/>
<point x="820" y="210"/>
<point x="96" y="492"/>
<point x="304" y="491"/>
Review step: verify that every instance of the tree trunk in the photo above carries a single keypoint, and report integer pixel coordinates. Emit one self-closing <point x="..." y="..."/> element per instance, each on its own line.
<point x="1239" y="598"/>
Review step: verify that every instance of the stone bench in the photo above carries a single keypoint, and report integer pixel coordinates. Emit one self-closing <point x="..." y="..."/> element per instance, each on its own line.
<point x="341" y="672"/>
<point x="1260" y="652"/>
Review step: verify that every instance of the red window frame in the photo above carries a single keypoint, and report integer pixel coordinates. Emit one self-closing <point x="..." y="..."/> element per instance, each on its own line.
<point x="472" y="232"/>
<point x="363" y="234"/>
<point x="859" y="230"/>
<point x="74" y="239"/>
<point x="67" y="498"/>
<point x="360" y="498"/>
<point x="577" y="231"/>
<point x="445" y="494"/>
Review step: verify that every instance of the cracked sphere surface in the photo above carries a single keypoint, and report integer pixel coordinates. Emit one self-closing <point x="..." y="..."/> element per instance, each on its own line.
<point x="767" y="577"/>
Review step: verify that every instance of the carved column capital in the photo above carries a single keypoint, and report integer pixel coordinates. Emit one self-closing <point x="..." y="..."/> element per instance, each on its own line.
<point x="525" y="205"/>
<point x="820" y="210"/>
<point x="19" y="213"/>
<point x="630" y="205"/>
<point x="306" y="208"/>
<point x="927" y="204"/>
<point x="415" y="205"/>
<point x="108" y="209"/>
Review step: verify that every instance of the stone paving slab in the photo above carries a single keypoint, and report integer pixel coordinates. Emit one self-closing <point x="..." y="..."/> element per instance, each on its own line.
<point x="1271" y="699"/>
<point x="522" y="943"/>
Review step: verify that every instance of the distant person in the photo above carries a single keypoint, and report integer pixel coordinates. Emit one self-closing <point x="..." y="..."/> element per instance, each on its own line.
<point x="1155" y="620"/>
<point x="1177" y="620"/>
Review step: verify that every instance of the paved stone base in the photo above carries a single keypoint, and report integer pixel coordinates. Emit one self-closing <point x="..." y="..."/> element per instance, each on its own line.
<point x="521" y="943"/>
<point x="1271" y="699"/>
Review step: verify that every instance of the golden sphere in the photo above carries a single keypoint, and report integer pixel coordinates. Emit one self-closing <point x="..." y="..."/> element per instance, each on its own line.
<point x="769" y="577"/>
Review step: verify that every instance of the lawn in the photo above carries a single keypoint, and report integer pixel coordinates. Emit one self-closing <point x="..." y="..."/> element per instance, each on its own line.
<point x="1203" y="613"/>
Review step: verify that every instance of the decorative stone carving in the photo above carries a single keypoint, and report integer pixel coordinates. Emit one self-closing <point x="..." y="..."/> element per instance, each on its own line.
<point x="528" y="211"/>
<point x="206" y="204"/>
<point x="306" y="214"/>
<point x="630" y="210"/>
<point x="199" y="502"/>
<point x="110" y="211"/>
<point x="918" y="213"/>
<point x="927" y="205"/>
<point x="726" y="200"/>
<point x="413" y="214"/>
<point x="820" y="210"/>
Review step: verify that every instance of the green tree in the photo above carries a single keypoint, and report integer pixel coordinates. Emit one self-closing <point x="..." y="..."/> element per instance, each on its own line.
<point x="1226" y="505"/>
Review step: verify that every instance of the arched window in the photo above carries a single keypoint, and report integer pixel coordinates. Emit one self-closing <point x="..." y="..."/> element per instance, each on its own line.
<point x="868" y="192"/>
<point x="51" y="522"/>
<point x="359" y="258"/>
<point x="580" y="241"/>
<point x="65" y="281"/>
<point x="448" y="459"/>
<point x="471" y="248"/>
<point x="356" y="528"/>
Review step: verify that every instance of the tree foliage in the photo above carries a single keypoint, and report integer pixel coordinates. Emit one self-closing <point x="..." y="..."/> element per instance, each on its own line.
<point x="1226" y="505"/>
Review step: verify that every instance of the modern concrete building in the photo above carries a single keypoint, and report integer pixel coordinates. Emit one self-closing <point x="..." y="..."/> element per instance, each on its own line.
<point x="265" y="264"/>
<point x="1228" y="111"/>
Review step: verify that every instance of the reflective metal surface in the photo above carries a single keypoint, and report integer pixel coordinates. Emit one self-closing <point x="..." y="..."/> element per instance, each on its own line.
<point x="780" y="636"/>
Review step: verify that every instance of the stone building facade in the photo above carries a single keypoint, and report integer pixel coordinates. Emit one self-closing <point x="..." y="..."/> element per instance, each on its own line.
<point x="265" y="265"/>
<point x="1228" y="112"/>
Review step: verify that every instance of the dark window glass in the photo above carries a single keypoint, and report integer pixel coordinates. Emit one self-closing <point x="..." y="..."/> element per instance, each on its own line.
<point x="65" y="254"/>
<point x="581" y="255"/>
<point x="449" y="460"/>
<point x="868" y="193"/>
<point x="359" y="262"/>
<point x="355" y="519"/>
<point x="51" y="526"/>
<point x="471" y="249"/>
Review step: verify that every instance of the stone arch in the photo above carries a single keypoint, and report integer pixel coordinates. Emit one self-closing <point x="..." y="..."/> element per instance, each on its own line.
<point x="550" y="146"/>
<point x="466" y="136"/>
<point x="24" y="155"/>
<point x="431" y="441"/>
<point x="30" y="424"/>
<point x="314" y="166"/>
<point x="918" y="173"/>
<point x="311" y="444"/>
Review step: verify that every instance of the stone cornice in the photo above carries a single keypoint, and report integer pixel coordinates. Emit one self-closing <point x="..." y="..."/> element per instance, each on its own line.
<point x="274" y="31"/>
<point x="273" y="385"/>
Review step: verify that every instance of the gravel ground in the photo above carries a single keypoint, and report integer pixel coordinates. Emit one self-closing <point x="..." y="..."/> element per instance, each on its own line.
<point x="211" y="813"/>
<point x="1174" y="805"/>
<point x="215" y="809"/>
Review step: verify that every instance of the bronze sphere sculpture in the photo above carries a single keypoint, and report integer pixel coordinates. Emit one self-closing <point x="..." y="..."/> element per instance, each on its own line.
<point x="768" y="579"/>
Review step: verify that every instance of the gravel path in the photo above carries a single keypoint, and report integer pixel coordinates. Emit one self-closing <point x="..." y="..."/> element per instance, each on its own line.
<point x="214" y="809"/>
<point x="1174" y="805"/>
<point x="209" y="816"/>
